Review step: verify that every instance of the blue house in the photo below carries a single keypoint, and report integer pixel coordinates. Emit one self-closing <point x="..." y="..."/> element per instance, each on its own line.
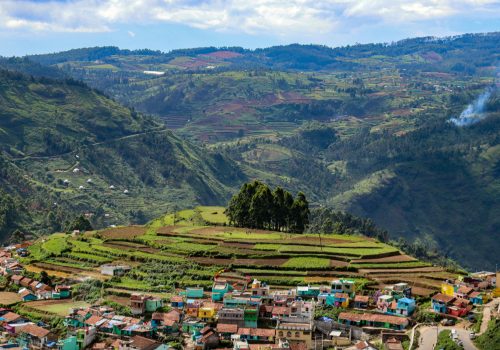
<point x="307" y="292"/>
<point x="405" y="306"/>
<point x="27" y="295"/>
<point x="441" y="302"/>
<point x="219" y="289"/>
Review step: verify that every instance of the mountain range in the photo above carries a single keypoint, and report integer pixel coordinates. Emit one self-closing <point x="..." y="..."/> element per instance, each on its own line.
<point x="363" y="128"/>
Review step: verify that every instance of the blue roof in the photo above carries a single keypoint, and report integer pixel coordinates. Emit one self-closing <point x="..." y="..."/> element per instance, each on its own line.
<point x="407" y="300"/>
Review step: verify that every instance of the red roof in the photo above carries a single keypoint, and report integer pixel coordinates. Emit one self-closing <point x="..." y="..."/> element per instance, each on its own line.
<point x="257" y="332"/>
<point x="341" y="296"/>
<point x="443" y="298"/>
<point x="465" y="290"/>
<point x="25" y="293"/>
<point x="35" y="331"/>
<point x="474" y="294"/>
<point x="93" y="320"/>
<point x="143" y="343"/>
<point x="373" y="318"/>
<point x="280" y="310"/>
<point x="227" y="328"/>
<point x="164" y="318"/>
<point x="11" y="317"/>
<point x="17" y="278"/>
<point x="176" y="299"/>
<point x="362" y="298"/>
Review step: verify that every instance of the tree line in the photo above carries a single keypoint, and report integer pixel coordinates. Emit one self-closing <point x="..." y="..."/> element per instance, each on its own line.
<point x="256" y="206"/>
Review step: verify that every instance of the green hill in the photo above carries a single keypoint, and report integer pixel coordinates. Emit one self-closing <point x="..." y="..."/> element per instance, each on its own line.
<point x="64" y="146"/>
<point x="192" y="249"/>
<point x="361" y="128"/>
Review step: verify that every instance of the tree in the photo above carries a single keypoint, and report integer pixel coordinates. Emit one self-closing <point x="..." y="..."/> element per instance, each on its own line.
<point x="81" y="223"/>
<point x="255" y="206"/>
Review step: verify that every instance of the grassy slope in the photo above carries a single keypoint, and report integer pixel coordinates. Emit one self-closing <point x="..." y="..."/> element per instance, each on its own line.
<point x="189" y="253"/>
<point x="50" y="128"/>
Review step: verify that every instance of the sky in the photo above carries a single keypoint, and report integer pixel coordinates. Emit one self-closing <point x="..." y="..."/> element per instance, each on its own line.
<point x="43" y="26"/>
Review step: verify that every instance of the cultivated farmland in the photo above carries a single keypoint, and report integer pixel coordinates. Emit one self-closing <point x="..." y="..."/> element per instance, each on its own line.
<point x="187" y="249"/>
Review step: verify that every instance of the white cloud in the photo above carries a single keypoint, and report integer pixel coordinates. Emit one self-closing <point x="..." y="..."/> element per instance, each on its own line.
<point x="278" y="17"/>
<point x="131" y="34"/>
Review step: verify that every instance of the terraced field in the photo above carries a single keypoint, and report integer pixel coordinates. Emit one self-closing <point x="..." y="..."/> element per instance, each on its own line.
<point x="165" y="255"/>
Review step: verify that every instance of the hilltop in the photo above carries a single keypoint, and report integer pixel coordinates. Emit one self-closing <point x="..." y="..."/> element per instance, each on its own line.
<point x="199" y="243"/>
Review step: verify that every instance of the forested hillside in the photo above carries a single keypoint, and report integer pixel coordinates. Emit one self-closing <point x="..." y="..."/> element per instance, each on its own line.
<point x="362" y="128"/>
<point x="67" y="149"/>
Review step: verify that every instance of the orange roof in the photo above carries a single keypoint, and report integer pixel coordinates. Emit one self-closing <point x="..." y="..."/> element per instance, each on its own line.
<point x="362" y="298"/>
<point x="35" y="331"/>
<point x="341" y="296"/>
<point x="93" y="320"/>
<point x="25" y="293"/>
<point x="11" y="317"/>
<point x="176" y="299"/>
<point x="16" y="277"/>
<point x="258" y="332"/>
<point x="443" y="298"/>
<point x="227" y="328"/>
<point x="465" y="290"/>
<point x="373" y="318"/>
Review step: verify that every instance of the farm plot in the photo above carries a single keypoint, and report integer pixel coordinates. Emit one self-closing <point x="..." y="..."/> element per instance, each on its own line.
<point x="127" y="232"/>
<point x="9" y="298"/>
<point x="57" y="307"/>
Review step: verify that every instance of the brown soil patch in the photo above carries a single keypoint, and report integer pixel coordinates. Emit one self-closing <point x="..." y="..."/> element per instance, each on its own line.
<point x="53" y="267"/>
<point x="338" y="263"/>
<point x="237" y="245"/>
<point x="219" y="229"/>
<point x="411" y="271"/>
<point x="388" y="259"/>
<point x="316" y="279"/>
<point x="246" y="262"/>
<point x="123" y="232"/>
<point x="166" y="229"/>
<point x="141" y="248"/>
<point x="120" y="300"/>
<point x="9" y="298"/>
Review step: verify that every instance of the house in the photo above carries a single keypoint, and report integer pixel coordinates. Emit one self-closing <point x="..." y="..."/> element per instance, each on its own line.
<point x="11" y="317"/>
<point x="27" y="295"/>
<point x="405" y="306"/>
<point x="32" y="336"/>
<point x="232" y="316"/>
<point x="393" y="344"/>
<point x="25" y="282"/>
<point x="460" y="307"/>
<point x="192" y="308"/>
<point x="177" y="302"/>
<point x="207" y="312"/>
<point x="141" y="343"/>
<point x="144" y="303"/>
<point x="343" y="286"/>
<point x="61" y="292"/>
<point x="341" y="300"/>
<point x="373" y="320"/>
<point x="441" y="302"/>
<point x="194" y="292"/>
<point x="226" y="330"/>
<point x="33" y="285"/>
<point x="115" y="270"/>
<point x="384" y="303"/>
<point x="259" y="288"/>
<point x="464" y="292"/>
<point x="16" y="279"/>
<point x="362" y="345"/>
<point x="476" y="298"/>
<point x="192" y="325"/>
<point x="257" y="334"/>
<point x="44" y="291"/>
<point x="295" y="333"/>
<point x="308" y="292"/>
<point x="208" y="339"/>
<point x="251" y="316"/>
<point x="219" y="289"/>
<point x="361" y="301"/>
<point x="401" y="290"/>
<point x="165" y="322"/>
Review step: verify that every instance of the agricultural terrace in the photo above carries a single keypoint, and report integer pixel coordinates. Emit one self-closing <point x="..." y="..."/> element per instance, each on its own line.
<point x="165" y="255"/>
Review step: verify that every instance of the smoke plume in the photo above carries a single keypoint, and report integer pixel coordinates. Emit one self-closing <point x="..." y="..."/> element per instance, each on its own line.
<point x="474" y="111"/>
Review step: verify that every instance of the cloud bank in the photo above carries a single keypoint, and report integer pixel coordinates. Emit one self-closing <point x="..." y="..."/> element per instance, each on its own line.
<point x="277" y="17"/>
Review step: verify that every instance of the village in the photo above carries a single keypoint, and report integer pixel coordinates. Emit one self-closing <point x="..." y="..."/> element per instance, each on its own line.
<point x="239" y="312"/>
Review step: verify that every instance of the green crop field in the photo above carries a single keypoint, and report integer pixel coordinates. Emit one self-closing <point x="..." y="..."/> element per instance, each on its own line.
<point x="165" y="256"/>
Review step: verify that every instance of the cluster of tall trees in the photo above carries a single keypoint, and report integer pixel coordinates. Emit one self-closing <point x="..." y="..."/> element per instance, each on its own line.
<point x="256" y="206"/>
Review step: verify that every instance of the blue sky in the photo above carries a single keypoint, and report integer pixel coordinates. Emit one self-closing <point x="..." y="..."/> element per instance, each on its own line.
<point x="40" y="26"/>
